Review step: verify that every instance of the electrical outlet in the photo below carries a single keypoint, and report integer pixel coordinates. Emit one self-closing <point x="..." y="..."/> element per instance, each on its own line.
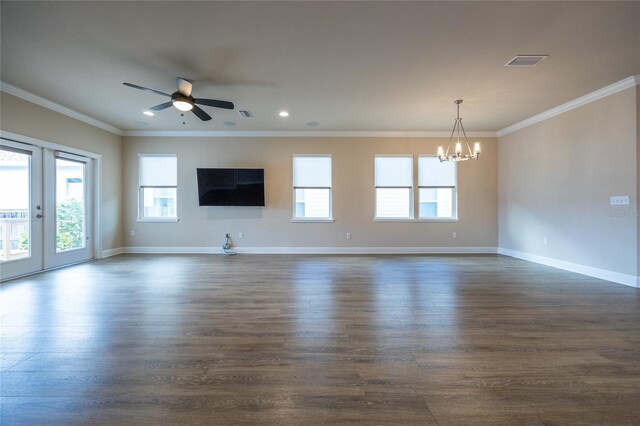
<point x="454" y="234"/>
<point x="348" y="235"/>
<point x="620" y="200"/>
<point x="544" y="240"/>
<point x="241" y="235"/>
<point x="131" y="233"/>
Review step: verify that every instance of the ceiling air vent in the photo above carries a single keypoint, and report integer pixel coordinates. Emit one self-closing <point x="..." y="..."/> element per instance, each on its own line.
<point x="245" y="113"/>
<point x="526" y="60"/>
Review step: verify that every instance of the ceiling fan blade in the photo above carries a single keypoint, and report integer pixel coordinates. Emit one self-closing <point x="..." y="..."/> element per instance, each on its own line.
<point x="215" y="103"/>
<point x="135" y="86"/>
<point x="200" y="113"/>
<point x="161" y="106"/>
<point x="184" y="86"/>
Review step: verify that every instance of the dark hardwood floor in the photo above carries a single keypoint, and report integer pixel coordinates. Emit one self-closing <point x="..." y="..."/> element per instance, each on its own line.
<point x="275" y="339"/>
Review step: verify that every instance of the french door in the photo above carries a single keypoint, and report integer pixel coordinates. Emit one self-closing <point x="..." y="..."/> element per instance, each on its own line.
<point x="46" y="209"/>
<point x="67" y="202"/>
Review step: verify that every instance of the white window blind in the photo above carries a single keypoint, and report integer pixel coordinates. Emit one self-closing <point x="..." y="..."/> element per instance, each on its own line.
<point x="312" y="172"/>
<point x="433" y="173"/>
<point x="394" y="172"/>
<point x="158" y="170"/>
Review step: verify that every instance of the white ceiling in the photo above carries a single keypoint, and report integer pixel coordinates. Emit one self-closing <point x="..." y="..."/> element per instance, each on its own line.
<point x="351" y="66"/>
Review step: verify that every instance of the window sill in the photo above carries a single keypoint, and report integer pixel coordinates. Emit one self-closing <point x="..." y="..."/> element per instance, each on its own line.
<point x="391" y="220"/>
<point x="158" y="220"/>
<point x="299" y="220"/>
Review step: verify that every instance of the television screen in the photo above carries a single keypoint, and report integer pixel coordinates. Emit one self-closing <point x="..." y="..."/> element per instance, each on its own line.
<point x="231" y="187"/>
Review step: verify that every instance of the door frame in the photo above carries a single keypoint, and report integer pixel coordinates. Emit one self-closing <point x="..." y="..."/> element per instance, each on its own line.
<point x="96" y="181"/>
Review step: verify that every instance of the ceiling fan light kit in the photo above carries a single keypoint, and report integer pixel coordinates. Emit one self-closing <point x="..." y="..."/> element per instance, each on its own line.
<point x="182" y="100"/>
<point x="458" y="153"/>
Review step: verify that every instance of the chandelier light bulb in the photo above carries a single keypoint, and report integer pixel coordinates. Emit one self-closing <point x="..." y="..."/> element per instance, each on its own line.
<point x="458" y="148"/>
<point x="440" y="151"/>
<point x="476" y="148"/>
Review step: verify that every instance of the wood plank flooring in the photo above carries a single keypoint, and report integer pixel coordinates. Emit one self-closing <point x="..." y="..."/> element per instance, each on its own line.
<point x="292" y="340"/>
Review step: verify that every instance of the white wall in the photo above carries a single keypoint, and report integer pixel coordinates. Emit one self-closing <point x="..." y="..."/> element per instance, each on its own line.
<point x="555" y="180"/>
<point x="353" y="195"/>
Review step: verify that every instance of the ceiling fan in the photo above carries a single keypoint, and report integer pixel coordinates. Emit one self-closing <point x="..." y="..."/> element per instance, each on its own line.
<point x="182" y="100"/>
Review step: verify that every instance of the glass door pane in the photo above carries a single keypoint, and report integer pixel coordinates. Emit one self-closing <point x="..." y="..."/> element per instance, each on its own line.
<point x="20" y="209"/>
<point x="70" y="205"/>
<point x="15" y="230"/>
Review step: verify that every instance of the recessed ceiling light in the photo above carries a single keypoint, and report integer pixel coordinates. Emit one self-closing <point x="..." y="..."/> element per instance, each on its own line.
<point x="149" y="113"/>
<point x="283" y="114"/>
<point x="312" y="123"/>
<point x="230" y="124"/>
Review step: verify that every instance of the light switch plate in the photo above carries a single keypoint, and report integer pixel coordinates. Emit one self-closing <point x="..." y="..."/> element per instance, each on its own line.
<point x="619" y="200"/>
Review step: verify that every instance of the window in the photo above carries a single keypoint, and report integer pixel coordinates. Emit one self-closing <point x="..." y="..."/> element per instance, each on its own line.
<point x="394" y="187"/>
<point x="312" y="187"/>
<point x="437" y="188"/>
<point x="158" y="186"/>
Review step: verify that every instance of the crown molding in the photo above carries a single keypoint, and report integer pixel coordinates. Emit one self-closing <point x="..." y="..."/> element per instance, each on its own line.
<point x="35" y="99"/>
<point x="619" y="86"/>
<point x="296" y="134"/>
<point x="30" y="97"/>
<point x="609" y="90"/>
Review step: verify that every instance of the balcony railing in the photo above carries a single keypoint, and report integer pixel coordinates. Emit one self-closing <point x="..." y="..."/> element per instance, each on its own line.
<point x="14" y="243"/>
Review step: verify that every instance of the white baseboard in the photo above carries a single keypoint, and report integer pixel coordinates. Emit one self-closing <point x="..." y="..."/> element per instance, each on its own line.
<point x="172" y="250"/>
<point x="113" y="252"/>
<point x="314" y="250"/>
<point x="365" y="250"/>
<point x="603" y="274"/>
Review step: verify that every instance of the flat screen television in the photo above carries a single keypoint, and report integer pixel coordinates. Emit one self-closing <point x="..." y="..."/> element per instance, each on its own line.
<point x="231" y="187"/>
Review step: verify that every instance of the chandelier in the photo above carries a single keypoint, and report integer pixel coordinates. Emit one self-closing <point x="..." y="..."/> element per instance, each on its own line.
<point x="457" y="154"/>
